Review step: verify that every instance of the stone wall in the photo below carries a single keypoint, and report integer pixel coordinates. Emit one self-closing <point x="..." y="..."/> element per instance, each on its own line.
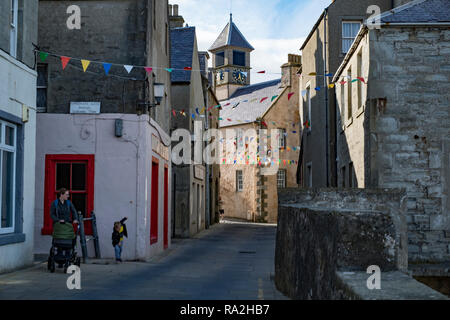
<point x="409" y="134"/>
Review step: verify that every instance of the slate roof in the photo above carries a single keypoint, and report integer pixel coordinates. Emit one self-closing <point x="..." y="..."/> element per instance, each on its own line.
<point x="248" y="103"/>
<point x="181" y="52"/>
<point x="419" y="11"/>
<point x="231" y="36"/>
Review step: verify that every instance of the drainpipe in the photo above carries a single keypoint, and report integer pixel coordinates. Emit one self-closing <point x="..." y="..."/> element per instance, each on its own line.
<point x="207" y="186"/>
<point x="325" y="83"/>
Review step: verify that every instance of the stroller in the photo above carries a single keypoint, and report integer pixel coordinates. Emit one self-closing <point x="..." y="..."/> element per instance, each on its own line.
<point x="63" y="251"/>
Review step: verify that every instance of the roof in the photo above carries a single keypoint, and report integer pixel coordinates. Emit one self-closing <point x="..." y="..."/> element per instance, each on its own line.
<point x="418" y="12"/>
<point x="245" y="104"/>
<point x="181" y="52"/>
<point x="231" y="36"/>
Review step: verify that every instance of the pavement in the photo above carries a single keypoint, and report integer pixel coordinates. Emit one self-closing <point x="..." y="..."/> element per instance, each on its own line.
<point x="229" y="261"/>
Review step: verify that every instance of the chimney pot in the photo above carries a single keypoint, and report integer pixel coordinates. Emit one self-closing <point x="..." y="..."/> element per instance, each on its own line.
<point x="170" y="10"/>
<point x="175" y="10"/>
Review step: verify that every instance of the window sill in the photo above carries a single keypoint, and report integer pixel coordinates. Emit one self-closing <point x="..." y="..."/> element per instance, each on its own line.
<point x="12" y="238"/>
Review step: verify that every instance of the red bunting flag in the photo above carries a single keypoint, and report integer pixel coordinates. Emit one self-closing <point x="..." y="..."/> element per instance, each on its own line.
<point x="290" y="95"/>
<point x="362" y="79"/>
<point x="65" y="61"/>
<point x="343" y="82"/>
<point x="261" y="71"/>
<point x="148" y="69"/>
<point x="187" y="68"/>
<point x="265" y="98"/>
<point x="174" y="114"/>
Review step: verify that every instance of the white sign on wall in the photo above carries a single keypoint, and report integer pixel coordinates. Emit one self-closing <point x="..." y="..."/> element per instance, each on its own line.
<point x="85" y="107"/>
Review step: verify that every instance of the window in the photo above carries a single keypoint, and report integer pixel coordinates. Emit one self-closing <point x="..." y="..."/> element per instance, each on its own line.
<point x="282" y="139"/>
<point x="359" y="75"/>
<point x="239" y="140"/>
<point x="220" y="59"/>
<point x="13" y="26"/>
<point x="349" y="93"/>
<point x="342" y="104"/>
<point x="8" y="144"/>
<point x="75" y="173"/>
<point x="281" y="179"/>
<point x="239" y="181"/>
<point x="349" y="31"/>
<point x="42" y="84"/>
<point x="239" y="58"/>
<point x="154" y="202"/>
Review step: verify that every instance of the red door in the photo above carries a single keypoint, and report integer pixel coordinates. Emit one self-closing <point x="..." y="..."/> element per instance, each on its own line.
<point x="166" y="207"/>
<point x="154" y="202"/>
<point x="75" y="173"/>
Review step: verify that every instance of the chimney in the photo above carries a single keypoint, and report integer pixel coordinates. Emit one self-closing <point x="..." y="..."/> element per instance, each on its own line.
<point x="175" y="20"/>
<point x="289" y="69"/>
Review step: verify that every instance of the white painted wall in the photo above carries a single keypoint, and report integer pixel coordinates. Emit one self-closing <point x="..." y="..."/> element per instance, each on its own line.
<point x="17" y="87"/>
<point x="122" y="176"/>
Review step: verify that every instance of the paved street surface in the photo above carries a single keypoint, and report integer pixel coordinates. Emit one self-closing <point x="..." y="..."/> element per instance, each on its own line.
<point x="229" y="261"/>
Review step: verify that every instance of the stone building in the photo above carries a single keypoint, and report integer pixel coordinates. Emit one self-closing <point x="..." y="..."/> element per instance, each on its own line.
<point x="322" y="53"/>
<point x="393" y="125"/>
<point x="189" y="212"/>
<point x="259" y="125"/>
<point x="103" y="129"/>
<point x="18" y="32"/>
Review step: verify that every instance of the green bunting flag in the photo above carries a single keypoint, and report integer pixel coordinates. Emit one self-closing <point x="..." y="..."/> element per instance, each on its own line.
<point x="43" y="56"/>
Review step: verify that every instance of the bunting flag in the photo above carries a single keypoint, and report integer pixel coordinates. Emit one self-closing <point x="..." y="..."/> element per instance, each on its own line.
<point x="361" y="79"/>
<point x="64" y="61"/>
<point x="354" y="80"/>
<point x="196" y="110"/>
<point x="329" y="75"/>
<point x="169" y="69"/>
<point x="265" y="98"/>
<point x="290" y="95"/>
<point x="85" y="64"/>
<point x="343" y="82"/>
<point x="274" y="97"/>
<point x="203" y="110"/>
<point x="261" y="72"/>
<point x="128" y="68"/>
<point x="331" y="85"/>
<point x="174" y="114"/>
<point x="317" y="88"/>
<point x="148" y="70"/>
<point x="43" y="56"/>
<point x="107" y="67"/>
<point x="187" y="68"/>
<point x="312" y="74"/>
<point x="304" y="93"/>
<point x="193" y="116"/>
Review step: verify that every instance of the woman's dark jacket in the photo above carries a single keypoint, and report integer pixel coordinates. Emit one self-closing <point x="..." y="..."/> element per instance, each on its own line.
<point x="116" y="236"/>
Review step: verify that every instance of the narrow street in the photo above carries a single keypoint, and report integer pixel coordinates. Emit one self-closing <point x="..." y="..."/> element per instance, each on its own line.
<point x="232" y="261"/>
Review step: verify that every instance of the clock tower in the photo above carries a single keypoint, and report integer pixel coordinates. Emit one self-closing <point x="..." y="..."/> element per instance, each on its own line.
<point x="231" y="61"/>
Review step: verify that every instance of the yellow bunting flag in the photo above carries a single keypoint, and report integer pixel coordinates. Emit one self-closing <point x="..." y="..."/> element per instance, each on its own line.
<point x="85" y="64"/>
<point x="331" y="85"/>
<point x="312" y="74"/>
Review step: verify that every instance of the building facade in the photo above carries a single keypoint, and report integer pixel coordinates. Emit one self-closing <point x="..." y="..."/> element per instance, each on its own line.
<point x="104" y="121"/>
<point x="322" y="53"/>
<point x="18" y="32"/>
<point x="393" y="127"/>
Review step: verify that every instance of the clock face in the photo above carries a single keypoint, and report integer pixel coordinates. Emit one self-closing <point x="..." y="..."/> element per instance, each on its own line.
<point x="239" y="76"/>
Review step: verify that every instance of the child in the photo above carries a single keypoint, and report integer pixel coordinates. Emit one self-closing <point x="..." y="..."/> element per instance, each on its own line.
<point x="120" y="230"/>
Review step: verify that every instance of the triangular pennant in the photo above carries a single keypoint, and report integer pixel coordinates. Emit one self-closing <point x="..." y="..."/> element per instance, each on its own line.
<point x="317" y="88"/>
<point x="65" y="61"/>
<point x="290" y="95"/>
<point x="354" y="80"/>
<point x="274" y="97"/>
<point x="361" y="79"/>
<point x="331" y="85"/>
<point x="85" y="64"/>
<point x="169" y="69"/>
<point x="329" y="75"/>
<point x="312" y="74"/>
<point x="265" y="98"/>
<point x="43" y="56"/>
<point x="187" y="68"/>
<point x="304" y="93"/>
<point x="261" y="71"/>
<point x="148" y="70"/>
<point x="128" y="68"/>
<point x="107" y="67"/>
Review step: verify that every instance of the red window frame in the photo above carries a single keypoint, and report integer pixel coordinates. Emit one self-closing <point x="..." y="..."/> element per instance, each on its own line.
<point x="154" y="201"/>
<point x="50" y="186"/>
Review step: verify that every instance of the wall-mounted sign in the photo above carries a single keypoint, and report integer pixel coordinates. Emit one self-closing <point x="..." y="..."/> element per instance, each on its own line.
<point x="159" y="148"/>
<point x="85" y="107"/>
<point x="199" y="173"/>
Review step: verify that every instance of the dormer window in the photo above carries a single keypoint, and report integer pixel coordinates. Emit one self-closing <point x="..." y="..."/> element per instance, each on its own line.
<point x="220" y="59"/>
<point x="239" y="58"/>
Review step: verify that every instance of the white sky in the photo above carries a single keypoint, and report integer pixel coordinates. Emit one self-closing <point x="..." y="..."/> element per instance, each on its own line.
<point x="274" y="28"/>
